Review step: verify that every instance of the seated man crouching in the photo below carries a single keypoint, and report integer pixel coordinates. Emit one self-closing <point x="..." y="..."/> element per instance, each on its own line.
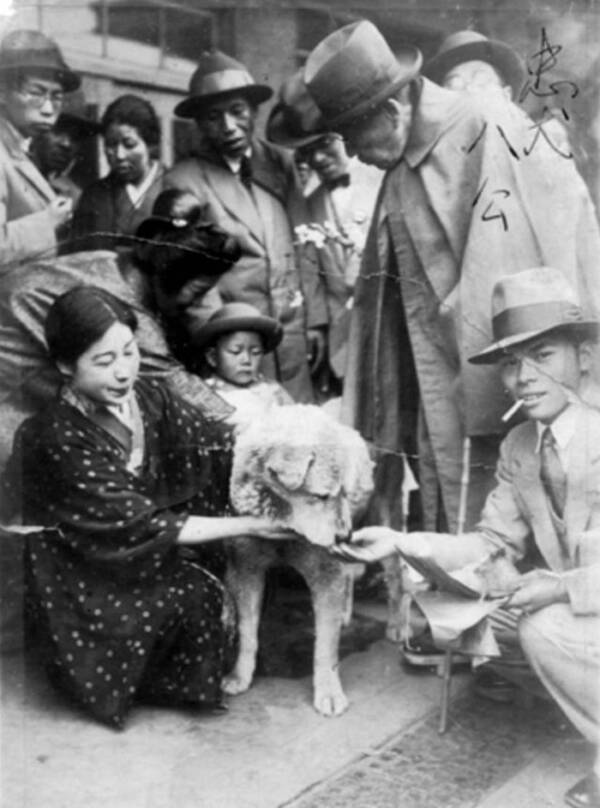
<point x="547" y="499"/>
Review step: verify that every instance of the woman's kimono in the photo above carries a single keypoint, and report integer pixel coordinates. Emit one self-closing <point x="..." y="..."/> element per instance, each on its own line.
<point x="120" y="612"/>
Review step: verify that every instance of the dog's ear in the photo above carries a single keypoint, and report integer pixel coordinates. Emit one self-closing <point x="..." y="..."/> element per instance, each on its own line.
<point x="289" y="465"/>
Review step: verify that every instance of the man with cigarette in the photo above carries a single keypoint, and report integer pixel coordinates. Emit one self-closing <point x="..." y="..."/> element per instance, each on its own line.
<point x="546" y="503"/>
<point x="462" y="204"/>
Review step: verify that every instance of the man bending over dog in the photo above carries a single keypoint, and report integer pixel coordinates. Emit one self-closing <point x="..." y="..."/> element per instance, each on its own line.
<point x="546" y="500"/>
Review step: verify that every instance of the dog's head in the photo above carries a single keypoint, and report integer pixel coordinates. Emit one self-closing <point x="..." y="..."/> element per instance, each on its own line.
<point x="303" y="469"/>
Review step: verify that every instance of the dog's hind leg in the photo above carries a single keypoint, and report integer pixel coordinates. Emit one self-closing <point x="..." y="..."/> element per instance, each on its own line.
<point x="246" y="581"/>
<point x="326" y="581"/>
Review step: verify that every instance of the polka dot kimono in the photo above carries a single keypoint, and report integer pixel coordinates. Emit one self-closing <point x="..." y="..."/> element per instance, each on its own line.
<point x="119" y="611"/>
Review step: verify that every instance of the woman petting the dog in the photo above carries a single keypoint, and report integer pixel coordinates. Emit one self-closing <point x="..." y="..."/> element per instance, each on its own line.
<point x="125" y="478"/>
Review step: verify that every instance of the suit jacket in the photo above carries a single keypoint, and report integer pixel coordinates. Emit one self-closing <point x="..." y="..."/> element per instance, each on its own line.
<point x="105" y="211"/>
<point x="26" y="228"/>
<point x="349" y="211"/>
<point x="517" y="512"/>
<point x="267" y="274"/>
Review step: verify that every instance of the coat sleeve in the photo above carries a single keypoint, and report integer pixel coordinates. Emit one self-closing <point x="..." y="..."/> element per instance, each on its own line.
<point x="23" y="238"/>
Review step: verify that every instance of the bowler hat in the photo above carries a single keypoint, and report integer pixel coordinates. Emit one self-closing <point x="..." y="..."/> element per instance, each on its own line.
<point x="353" y="71"/>
<point x="528" y="304"/>
<point x="295" y="120"/>
<point x="218" y="76"/>
<point x="32" y="50"/>
<point x="239" y="317"/>
<point x="468" y="46"/>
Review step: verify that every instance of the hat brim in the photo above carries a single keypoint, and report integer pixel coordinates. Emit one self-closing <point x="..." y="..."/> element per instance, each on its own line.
<point x="585" y="329"/>
<point x="270" y="330"/>
<point x="68" y="80"/>
<point x="81" y="127"/>
<point x="498" y="54"/>
<point x="278" y="131"/>
<point x="194" y="105"/>
<point x="409" y="63"/>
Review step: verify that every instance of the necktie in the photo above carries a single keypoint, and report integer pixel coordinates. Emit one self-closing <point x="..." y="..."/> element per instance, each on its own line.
<point x="552" y="474"/>
<point x="246" y="172"/>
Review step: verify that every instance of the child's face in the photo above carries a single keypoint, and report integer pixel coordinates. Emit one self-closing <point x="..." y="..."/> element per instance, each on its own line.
<point x="237" y="357"/>
<point x="541" y="372"/>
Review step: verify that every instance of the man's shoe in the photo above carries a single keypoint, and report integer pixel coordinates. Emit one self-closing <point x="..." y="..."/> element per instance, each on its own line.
<point x="490" y="685"/>
<point x="585" y="793"/>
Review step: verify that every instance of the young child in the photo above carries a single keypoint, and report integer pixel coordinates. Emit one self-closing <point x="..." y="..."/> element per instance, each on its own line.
<point x="234" y="341"/>
<point x="547" y="499"/>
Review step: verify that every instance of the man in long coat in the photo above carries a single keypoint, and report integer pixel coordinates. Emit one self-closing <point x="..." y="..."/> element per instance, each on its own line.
<point x="33" y="80"/>
<point x="249" y="189"/>
<point x="466" y="199"/>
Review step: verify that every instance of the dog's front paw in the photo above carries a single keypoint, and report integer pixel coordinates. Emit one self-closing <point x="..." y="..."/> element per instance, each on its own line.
<point x="393" y="630"/>
<point x="329" y="698"/>
<point x="234" y="683"/>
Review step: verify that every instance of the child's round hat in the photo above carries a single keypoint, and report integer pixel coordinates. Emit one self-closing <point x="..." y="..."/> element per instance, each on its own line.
<point x="239" y="317"/>
<point x="528" y="304"/>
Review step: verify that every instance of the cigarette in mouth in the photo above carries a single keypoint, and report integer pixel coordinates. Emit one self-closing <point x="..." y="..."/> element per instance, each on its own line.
<point x="515" y="408"/>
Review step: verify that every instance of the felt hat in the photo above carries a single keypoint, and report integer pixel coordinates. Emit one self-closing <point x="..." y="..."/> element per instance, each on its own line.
<point x="76" y="119"/>
<point x="468" y="46"/>
<point x="353" y="71"/>
<point x="528" y="304"/>
<point x="218" y="76"/>
<point x="295" y="120"/>
<point x="32" y="50"/>
<point x="239" y="317"/>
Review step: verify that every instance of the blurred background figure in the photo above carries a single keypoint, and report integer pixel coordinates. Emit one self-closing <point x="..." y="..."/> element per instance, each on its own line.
<point x="305" y="173"/>
<point x="33" y="80"/>
<point x="58" y="153"/>
<point x="340" y="199"/>
<point x="111" y="209"/>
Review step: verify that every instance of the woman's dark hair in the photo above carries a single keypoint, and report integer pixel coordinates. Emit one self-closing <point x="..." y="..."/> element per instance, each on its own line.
<point x="131" y="110"/>
<point x="80" y="317"/>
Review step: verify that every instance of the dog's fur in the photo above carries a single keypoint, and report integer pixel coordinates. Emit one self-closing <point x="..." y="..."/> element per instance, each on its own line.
<point x="308" y="472"/>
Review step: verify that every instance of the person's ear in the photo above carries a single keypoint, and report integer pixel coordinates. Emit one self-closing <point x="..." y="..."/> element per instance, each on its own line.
<point x="211" y="357"/>
<point x="399" y="109"/>
<point x="65" y="368"/>
<point x="588" y="353"/>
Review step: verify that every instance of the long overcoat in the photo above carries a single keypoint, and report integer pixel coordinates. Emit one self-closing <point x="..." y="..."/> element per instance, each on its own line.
<point x="267" y="274"/>
<point x="475" y="197"/>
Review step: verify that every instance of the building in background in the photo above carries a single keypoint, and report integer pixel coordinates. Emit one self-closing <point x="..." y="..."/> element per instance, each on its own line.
<point x="150" y="47"/>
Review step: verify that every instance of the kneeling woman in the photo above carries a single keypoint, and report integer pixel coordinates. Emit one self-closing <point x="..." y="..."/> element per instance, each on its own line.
<point x="117" y="466"/>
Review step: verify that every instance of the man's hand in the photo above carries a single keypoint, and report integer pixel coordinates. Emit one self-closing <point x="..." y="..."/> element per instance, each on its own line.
<point x="61" y="210"/>
<point x="374" y="543"/>
<point x="317" y="347"/>
<point x="537" y="589"/>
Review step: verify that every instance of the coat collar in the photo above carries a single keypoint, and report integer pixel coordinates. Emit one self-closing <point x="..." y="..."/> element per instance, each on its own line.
<point x="14" y="144"/>
<point x="435" y="110"/>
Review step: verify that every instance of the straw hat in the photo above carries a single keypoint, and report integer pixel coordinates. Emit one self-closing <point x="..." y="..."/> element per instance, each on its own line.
<point x="468" y="46"/>
<point x="218" y="76"/>
<point x="239" y="317"/>
<point x="353" y="71"/>
<point x="528" y="304"/>
<point x="32" y="50"/>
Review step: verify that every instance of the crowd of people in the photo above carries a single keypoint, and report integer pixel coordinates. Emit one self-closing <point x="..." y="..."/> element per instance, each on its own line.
<point x="354" y="254"/>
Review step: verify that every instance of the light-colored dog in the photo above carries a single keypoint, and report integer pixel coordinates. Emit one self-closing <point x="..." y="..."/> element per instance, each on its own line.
<point x="308" y="472"/>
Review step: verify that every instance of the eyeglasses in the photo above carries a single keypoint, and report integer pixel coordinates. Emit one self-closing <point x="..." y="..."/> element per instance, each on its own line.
<point x="39" y="95"/>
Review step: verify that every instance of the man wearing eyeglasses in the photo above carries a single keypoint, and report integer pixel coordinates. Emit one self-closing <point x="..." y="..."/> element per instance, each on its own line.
<point x="33" y="81"/>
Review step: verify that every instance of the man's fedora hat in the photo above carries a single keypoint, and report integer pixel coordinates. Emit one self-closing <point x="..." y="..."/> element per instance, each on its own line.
<point x="239" y="317"/>
<point x="353" y="71"/>
<point x="295" y="120"/>
<point x="468" y="46"/>
<point x="218" y="76"/>
<point x="531" y="303"/>
<point x="32" y="50"/>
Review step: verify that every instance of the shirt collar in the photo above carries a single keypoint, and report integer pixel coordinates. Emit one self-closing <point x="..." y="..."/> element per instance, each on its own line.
<point x="562" y="428"/>
<point x="235" y="163"/>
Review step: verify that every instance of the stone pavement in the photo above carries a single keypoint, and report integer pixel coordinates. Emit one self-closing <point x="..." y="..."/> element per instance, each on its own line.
<point x="272" y="750"/>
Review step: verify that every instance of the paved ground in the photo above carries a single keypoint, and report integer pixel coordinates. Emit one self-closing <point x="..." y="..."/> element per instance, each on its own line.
<point x="272" y="749"/>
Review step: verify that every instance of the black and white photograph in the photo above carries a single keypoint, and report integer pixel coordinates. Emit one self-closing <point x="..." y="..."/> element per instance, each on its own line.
<point x="299" y="404"/>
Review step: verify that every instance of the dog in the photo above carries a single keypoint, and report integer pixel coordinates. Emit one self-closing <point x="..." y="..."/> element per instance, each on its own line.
<point x="307" y="472"/>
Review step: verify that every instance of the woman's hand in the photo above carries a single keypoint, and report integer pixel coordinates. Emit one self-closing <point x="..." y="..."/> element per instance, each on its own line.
<point x="537" y="589"/>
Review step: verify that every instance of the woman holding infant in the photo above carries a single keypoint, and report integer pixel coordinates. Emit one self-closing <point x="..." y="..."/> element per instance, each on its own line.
<point x="125" y="477"/>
